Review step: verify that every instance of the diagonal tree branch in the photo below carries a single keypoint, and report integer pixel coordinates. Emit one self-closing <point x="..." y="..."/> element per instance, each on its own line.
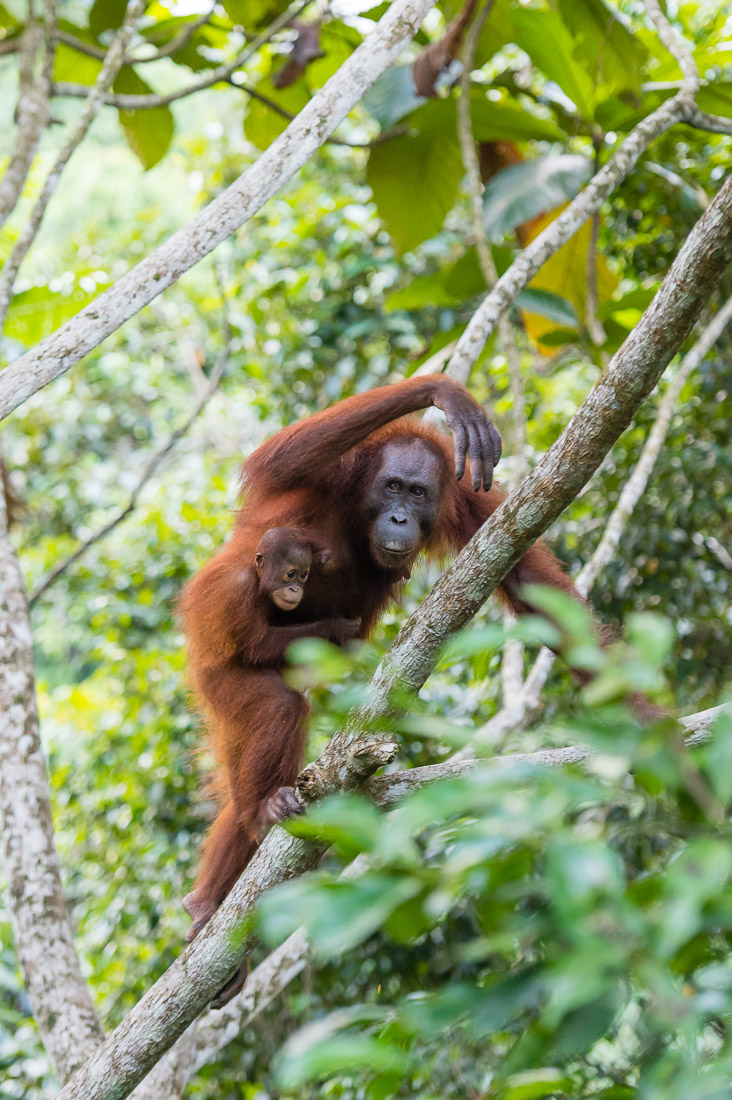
<point x="521" y="712"/>
<point x="231" y="209"/>
<point x="62" y="1006"/>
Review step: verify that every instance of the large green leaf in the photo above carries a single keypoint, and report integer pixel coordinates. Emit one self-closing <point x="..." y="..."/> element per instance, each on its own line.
<point x="149" y="132"/>
<point x="73" y="65"/>
<point x="604" y="45"/>
<point x="106" y="15"/>
<point x="520" y="193"/>
<point x="545" y="38"/>
<point x="415" y="181"/>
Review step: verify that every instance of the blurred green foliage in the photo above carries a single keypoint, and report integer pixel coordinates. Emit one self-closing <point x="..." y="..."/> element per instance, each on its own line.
<point x="521" y="934"/>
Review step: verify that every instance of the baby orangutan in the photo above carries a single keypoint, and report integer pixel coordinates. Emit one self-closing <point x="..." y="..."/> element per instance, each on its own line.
<point x="256" y="723"/>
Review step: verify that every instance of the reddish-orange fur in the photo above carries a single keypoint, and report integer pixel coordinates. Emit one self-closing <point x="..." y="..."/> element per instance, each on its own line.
<point x="312" y="475"/>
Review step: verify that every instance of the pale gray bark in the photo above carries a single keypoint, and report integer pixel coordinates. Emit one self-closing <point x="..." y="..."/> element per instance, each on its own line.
<point x="110" y="68"/>
<point x="32" y="118"/>
<point x="58" y="994"/>
<point x="231" y="209"/>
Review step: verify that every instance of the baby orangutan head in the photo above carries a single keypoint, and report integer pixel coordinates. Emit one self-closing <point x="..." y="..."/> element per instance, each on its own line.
<point x="283" y="560"/>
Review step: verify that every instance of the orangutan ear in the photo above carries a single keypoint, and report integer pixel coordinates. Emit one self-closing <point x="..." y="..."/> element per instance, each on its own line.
<point x="259" y="560"/>
<point x="322" y="557"/>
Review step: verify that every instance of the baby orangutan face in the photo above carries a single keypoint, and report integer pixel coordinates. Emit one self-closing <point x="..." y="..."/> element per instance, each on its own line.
<point x="283" y="562"/>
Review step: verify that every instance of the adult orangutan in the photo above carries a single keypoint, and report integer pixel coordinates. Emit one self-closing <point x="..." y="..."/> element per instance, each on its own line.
<point x="376" y="490"/>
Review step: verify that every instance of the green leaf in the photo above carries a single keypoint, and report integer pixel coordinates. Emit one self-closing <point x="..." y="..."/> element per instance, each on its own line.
<point x="36" y="313"/>
<point x="149" y="132"/>
<point x="337" y="1055"/>
<point x="262" y="124"/>
<point x="549" y="305"/>
<point x="106" y="15"/>
<point x="716" y="98"/>
<point x="415" y="181"/>
<point x="74" y="66"/>
<point x="544" y="37"/>
<point x="494" y="117"/>
<point x="520" y="193"/>
<point x="535" y="1083"/>
<point x="604" y="44"/>
<point x="504" y="120"/>
<point x="253" y="14"/>
<point x="392" y="96"/>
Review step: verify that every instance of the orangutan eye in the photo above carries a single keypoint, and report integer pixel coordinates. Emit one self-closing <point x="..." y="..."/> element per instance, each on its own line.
<point x="417" y="491"/>
<point x="290" y="574"/>
<point x="304" y="576"/>
<point x="393" y="486"/>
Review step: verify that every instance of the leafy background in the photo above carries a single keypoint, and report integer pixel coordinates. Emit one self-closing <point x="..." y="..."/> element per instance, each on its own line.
<point x="519" y="935"/>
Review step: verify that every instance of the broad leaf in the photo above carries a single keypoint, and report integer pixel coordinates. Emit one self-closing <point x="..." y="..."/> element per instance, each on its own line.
<point x="36" y="313"/>
<point x="72" y="65"/>
<point x="415" y="181"/>
<point x="149" y="132"/>
<point x="106" y="15"/>
<point x="253" y="14"/>
<point x="545" y="38"/>
<point x="520" y="193"/>
<point x="392" y="96"/>
<point x="604" y="45"/>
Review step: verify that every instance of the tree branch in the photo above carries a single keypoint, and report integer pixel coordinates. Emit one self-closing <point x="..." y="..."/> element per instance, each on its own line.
<point x="521" y="712"/>
<point x="153" y="463"/>
<point x="109" y="70"/>
<point x="62" y="1006"/>
<point x="222" y="74"/>
<point x="32" y="117"/>
<point x="678" y="109"/>
<point x="231" y="209"/>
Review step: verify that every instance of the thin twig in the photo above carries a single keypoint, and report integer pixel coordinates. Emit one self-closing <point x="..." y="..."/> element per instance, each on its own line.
<point x="219" y="75"/>
<point x="109" y="70"/>
<point x="148" y="471"/>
